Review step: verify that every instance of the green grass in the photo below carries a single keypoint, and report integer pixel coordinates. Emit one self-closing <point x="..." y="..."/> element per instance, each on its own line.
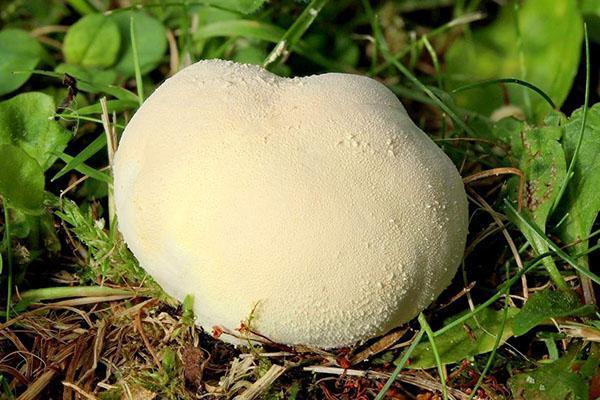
<point x="441" y="373"/>
<point x="7" y="241"/>
<point x="91" y="287"/>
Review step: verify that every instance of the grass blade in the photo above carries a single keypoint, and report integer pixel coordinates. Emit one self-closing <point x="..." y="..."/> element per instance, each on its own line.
<point x="553" y="246"/>
<point x="263" y="31"/>
<point x="400" y="366"/>
<point x="89" y="87"/>
<point x="409" y="75"/>
<point x="522" y="66"/>
<point x="425" y="326"/>
<point x="295" y="32"/>
<point x="499" y="293"/>
<point x="464" y="19"/>
<point x="90" y="150"/>
<point x="9" y="256"/>
<point x="139" y="84"/>
<point x="62" y="292"/>
<point x="83" y="7"/>
<point x="490" y="359"/>
<point x="87" y="170"/>
<point x="506" y="80"/>
<point x="77" y="117"/>
<point x="113" y="105"/>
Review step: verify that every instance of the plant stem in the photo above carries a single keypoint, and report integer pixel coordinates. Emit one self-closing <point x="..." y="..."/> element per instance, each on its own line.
<point x="9" y="256"/>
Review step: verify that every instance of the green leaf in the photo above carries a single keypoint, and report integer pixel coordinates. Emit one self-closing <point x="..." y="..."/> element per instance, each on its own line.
<point x="27" y="121"/>
<point x="547" y="304"/>
<point x="21" y="179"/>
<point x="476" y="336"/>
<point x="553" y="381"/>
<point x="243" y="27"/>
<point x="536" y="152"/>
<point x="18" y="51"/>
<point x="151" y="41"/>
<point x="551" y="34"/>
<point x="581" y="202"/>
<point x="93" y="41"/>
<point x="241" y="6"/>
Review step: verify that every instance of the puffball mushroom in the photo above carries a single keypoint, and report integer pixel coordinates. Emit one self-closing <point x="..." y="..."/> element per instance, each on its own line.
<point x="316" y="202"/>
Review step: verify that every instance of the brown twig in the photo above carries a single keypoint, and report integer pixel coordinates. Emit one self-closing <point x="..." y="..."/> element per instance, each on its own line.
<point x="501" y="171"/>
<point x="511" y="243"/>
<point x="140" y="328"/>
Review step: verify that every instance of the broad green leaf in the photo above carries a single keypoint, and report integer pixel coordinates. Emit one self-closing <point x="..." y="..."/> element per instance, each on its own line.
<point x="21" y="179"/>
<point x="554" y="381"/>
<point x="245" y="28"/>
<point x="18" y="52"/>
<point x="99" y="77"/>
<point x="208" y="15"/>
<point x="476" y="336"/>
<point x="547" y="304"/>
<point x="150" y="37"/>
<point x="551" y="32"/>
<point x="537" y="153"/>
<point x="27" y="121"/>
<point x="542" y="162"/>
<point x="93" y="41"/>
<point x="21" y="223"/>
<point x="581" y="200"/>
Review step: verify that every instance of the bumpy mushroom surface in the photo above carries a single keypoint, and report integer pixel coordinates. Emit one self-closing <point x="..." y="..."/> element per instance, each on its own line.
<point x="315" y="199"/>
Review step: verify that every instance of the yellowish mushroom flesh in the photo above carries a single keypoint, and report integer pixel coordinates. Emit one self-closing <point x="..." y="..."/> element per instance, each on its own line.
<point x="315" y="201"/>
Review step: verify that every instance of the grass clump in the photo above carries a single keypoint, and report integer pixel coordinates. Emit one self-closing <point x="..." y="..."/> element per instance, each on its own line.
<point x="516" y="112"/>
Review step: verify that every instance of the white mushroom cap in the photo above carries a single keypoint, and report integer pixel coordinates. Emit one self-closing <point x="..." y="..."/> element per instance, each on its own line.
<point x="316" y="199"/>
